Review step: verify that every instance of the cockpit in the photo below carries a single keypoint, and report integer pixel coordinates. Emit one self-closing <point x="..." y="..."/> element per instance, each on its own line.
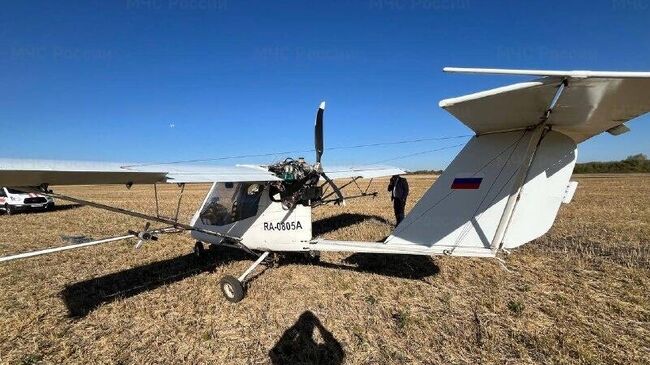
<point x="231" y="202"/>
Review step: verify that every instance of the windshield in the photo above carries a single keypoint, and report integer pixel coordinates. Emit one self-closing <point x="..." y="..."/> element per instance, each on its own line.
<point x="12" y="191"/>
<point x="230" y="203"/>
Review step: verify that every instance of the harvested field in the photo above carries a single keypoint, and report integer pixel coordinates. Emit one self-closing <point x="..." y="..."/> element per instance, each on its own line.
<point x="580" y="294"/>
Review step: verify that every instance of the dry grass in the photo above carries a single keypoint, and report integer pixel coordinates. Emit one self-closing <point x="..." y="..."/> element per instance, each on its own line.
<point x="577" y="295"/>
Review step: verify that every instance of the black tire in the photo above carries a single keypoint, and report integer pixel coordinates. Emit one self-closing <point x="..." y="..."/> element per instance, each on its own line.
<point x="232" y="289"/>
<point x="50" y="206"/>
<point x="9" y="210"/>
<point x="313" y="257"/>
<point x="199" y="250"/>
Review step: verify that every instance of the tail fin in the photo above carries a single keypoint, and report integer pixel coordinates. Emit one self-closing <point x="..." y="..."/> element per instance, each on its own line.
<point x="460" y="213"/>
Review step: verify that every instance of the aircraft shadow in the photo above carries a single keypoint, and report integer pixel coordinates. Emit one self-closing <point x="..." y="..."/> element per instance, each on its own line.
<point x="414" y="267"/>
<point x="329" y="224"/>
<point x="401" y="266"/>
<point x="83" y="297"/>
<point x="62" y="207"/>
<point x="297" y="344"/>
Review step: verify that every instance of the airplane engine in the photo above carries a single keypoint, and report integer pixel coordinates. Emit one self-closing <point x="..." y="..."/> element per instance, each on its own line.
<point x="299" y="183"/>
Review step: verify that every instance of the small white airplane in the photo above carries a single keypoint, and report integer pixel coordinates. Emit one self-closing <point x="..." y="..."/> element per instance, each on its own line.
<point x="503" y="189"/>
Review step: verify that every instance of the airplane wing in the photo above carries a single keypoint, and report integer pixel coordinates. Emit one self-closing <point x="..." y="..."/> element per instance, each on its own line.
<point x="592" y="102"/>
<point x="18" y="172"/>
<point x="38" y="172"/>
<point x="366" y="172"/>
<point x="204" y="174"/>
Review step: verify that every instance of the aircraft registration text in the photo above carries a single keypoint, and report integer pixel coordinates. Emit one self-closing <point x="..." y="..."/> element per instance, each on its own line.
<point x="282" y="226"/>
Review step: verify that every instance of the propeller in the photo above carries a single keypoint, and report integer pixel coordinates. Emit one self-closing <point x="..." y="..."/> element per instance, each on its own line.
<point x="318" y="133"/>
<point x="319" y="147"/>
<point x="144" y="235"/>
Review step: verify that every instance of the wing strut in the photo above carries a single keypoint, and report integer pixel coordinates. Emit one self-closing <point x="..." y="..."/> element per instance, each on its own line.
<point x="178" y="205"/>
<point x="171" y="222"/>
<point x="63" y="248"/>
<point x="538" y="132"/>
<point x="362" y="193"/>
<point x="340" y="198"/>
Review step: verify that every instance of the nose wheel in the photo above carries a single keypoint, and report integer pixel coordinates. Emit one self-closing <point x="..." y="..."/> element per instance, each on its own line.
<point x="234" y="289"/>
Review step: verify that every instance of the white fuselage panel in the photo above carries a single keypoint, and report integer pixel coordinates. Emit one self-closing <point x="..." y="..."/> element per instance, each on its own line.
<point x="271" y="228"/>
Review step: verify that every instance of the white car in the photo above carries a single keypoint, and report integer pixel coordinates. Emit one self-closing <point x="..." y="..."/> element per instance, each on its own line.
<point x="12" y="201"/>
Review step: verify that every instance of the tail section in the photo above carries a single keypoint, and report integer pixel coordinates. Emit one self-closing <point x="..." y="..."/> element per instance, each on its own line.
<point x="544" y="191"/>
<point x="461" y="212"/>
<point x="505" y="187"/>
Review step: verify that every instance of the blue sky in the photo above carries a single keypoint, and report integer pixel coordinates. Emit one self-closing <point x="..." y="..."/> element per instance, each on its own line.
<point x="165" y="80"/>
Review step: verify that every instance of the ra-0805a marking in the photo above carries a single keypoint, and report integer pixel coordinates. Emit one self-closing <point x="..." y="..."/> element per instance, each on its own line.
<point x="282" y="226"/>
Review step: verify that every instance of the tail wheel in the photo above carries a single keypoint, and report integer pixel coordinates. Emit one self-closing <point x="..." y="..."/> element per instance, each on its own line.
<point x="8" y="209"/>
<point x="199" y="250"/>
<point x="313" y="257"/>
<point x="232" y="289"/>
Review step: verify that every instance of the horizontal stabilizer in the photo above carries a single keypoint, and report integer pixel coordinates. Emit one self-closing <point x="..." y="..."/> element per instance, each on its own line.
<point x="591" y="103"/>
<point x="573" y="74"/>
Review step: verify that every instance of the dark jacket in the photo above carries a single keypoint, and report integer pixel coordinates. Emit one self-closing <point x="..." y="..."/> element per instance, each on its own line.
<point x="398" y="187"/>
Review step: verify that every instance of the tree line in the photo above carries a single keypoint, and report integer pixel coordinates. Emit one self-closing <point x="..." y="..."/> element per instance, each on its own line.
<point x="634" y="163"/>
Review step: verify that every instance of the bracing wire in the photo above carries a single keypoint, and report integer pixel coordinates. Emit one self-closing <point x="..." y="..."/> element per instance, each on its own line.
<point x="451" y="192"/>
<point x="274" y="154"/>
<point x="419" y="153"/>
<point x="400" y="142"/>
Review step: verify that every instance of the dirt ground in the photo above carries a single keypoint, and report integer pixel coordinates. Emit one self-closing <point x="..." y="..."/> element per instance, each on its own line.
<point x="579" y="294"/>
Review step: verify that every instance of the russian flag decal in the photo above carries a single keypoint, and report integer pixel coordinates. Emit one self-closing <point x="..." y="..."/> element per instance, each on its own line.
<point x="470" y="183"/>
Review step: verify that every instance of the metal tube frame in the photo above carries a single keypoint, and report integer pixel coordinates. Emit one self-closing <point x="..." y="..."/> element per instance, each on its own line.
<point x="63" y="248"/>
<point x="538" y="132"/>
<point x="362" y="192"/>
<point x="242" y="278"/>
<point x="109" y="208"/>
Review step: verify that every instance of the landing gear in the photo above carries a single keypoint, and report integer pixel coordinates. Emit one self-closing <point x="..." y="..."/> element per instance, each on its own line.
<point x="234" y="289"/>
<point x="199" y="250"/>
<point x="8" y="209"/>
<point x="313" y="257"/>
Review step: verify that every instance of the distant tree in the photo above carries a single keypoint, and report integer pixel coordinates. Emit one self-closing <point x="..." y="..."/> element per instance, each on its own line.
<point x="426" y="172"/>
<point x="633" y="163"/>
<point x="637" y="157"/>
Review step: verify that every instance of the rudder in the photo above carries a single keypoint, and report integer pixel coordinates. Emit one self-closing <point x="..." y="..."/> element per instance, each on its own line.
<point x="460" y="213"/>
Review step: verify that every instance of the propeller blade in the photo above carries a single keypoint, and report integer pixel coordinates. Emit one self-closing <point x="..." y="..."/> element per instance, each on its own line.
<point x="139" y="244"/>
<point x="318" y="132"/>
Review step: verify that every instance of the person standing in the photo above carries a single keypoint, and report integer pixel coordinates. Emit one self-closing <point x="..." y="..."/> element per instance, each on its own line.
<point x="399" y="191"/>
